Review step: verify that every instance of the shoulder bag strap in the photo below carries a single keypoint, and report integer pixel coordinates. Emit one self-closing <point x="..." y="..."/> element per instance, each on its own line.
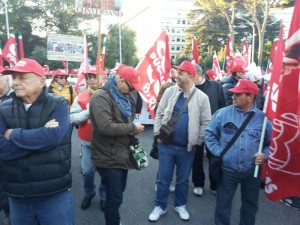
<point x="175" y="119"/>
<point x="237" y="134"/>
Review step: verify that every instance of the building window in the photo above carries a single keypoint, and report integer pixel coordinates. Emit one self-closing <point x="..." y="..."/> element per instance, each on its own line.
<point x="183" y="21"/>
<point x="173" y="30"/>
<point x="178" y="21"/>
<point x="172" y="48"/>
<point x="178" y="39"/>
<point x="178" y="48"/>
<point x="172" y="57"/>
<point x="172" y="39"/>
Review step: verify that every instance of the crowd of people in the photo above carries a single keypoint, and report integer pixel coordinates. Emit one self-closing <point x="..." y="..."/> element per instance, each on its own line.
<point x="36" y="124"/>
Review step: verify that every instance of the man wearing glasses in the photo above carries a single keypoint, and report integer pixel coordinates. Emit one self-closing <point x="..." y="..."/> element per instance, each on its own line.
<point x="111" y="114"/>
<point x="61" y="86"/>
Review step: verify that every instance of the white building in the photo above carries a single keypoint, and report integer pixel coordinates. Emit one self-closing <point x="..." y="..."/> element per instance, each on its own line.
<point x="158" y="16"/>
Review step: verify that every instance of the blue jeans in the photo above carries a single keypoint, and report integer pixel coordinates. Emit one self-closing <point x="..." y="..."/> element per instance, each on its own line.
<point x="114" y="181"/>
<point x="51" y="210"/>
<point x="170" y="156"/>
<point x="89" y="170"/>
<point x="249" y="195"/>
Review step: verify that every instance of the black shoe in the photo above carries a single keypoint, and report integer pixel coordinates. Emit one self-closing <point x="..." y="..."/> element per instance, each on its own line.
<point x="293" y="202"/>
<point x="102" y="205"/>
<point x="86" y="202"/>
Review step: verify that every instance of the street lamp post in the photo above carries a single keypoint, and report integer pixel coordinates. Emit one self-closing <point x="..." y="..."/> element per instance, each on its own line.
<point x="253" y="37"/>
<point x="6" y="17"/>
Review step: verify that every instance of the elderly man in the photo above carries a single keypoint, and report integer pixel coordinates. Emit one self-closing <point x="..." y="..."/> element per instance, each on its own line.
<point x="217" y="100"/>
<point x="111" y="114"/>
<point x="188" y="132"/>
<point x="35" y="146"/>
<point x="240" y="160"/>
<point x="80" y="117"/>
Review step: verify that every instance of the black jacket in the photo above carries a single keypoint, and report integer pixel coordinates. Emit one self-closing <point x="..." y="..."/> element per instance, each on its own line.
<point x="227" y="83"/>
<point x="215" y="94"/>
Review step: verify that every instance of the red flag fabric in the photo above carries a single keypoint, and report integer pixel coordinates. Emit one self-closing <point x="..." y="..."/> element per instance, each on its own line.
<point x="83" y="66"/>
<point x="195" y="57"/>
<point x="10" y="50"/>
<point x="283" y="172"/>
<point x="154" y="70"/>
<point x="1" y="58"/>
<point x="216" y="67"/>
<point x="21" y="48"/>
<point x="245" y="52"/>
<point x="272" y="96"/>
<point x="229" y="55"/>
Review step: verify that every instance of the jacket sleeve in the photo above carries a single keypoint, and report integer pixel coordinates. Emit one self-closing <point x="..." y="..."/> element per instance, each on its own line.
<point x="212" y="135"/>
<point x="77" y="114"/>
<point x="227" y="94"/>
<point x="205" y="117"/>
<point x="42" y="138"/>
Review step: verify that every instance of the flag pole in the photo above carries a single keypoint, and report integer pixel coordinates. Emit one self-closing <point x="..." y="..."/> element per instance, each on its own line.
<point x="98" y="64"/>
<point x="261" y="143"/>
<point x="6" y="17"/>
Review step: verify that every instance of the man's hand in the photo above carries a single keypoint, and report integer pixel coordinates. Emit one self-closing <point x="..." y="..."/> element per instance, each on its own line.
<point x="7" y="133"/>
<point x="259" y="158"/>
<point x="139" y="127"/>
<point x="51" y="123"/>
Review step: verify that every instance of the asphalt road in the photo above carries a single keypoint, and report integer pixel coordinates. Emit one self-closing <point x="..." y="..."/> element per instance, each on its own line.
<point x="140" y="194"/>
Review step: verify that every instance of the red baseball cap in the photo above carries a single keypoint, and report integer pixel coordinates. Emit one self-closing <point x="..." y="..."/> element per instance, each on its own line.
<point x="130" y="74"/>
<point x="245" y="86"/>
<point x="188" y="67"/>
<point x="211" y="74"/>
<point x="26" y="66"/>
<point x="61" y="72"/>
<point x="93" y="70"/>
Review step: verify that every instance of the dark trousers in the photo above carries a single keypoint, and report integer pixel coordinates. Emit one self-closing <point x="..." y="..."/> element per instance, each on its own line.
<point x="114" y="181"/>
<point x="198" y="175"/>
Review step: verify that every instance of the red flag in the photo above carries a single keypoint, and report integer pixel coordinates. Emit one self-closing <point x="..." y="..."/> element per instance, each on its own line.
<point x="9" y="51"/>
<point x="195" y="57"/>
<point x="283" y="173"/>
<point x="272" y="96"/>
<point x="21" y="48"/>
<point x="103" y="53"/>
<point x="154" y="69"/>
<point x="229" y="55"/>
<point x="1" y="58"/>
<point x="245" y="52"/>
<point x="216" y="67"/>
<point x="83" y="66"/>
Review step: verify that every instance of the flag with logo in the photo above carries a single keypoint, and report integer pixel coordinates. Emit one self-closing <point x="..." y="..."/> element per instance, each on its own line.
<point x="245" y="52"/>
<point x="283" y="172"/>
<point x="154" y="69"/>
<point x="229" y="55"/>
<point x="10" y="50"/>
<point x="195" y="56"/>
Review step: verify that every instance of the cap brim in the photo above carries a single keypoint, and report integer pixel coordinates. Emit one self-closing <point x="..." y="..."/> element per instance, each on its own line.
<point x="235" y="90"/>
<point x="10" y="71"/>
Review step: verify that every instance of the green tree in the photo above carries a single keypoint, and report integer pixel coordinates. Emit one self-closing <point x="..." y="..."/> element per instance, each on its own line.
<point x="128" y="47"/>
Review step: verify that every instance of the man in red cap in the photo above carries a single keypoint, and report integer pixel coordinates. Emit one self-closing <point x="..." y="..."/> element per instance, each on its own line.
<point x="238" y="164"/>
<point x="35" y="146"/>
<point x="80" y="117"/>
<point x="111" y="113"/>
<point x="238" y="72"/>
<point x="188" y="132"/>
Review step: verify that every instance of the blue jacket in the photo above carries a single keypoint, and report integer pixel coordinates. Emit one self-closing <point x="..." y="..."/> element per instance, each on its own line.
<point x="224" y="124"/>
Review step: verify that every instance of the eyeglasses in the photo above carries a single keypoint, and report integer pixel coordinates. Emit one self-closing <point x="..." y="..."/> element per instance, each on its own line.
<point x="90" y="76"/>
<point x="62" y="77"/>
<point x="131" y="88"/>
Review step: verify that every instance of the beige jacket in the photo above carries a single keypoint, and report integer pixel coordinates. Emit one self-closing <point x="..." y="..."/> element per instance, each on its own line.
<point x="198" y="112"/>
